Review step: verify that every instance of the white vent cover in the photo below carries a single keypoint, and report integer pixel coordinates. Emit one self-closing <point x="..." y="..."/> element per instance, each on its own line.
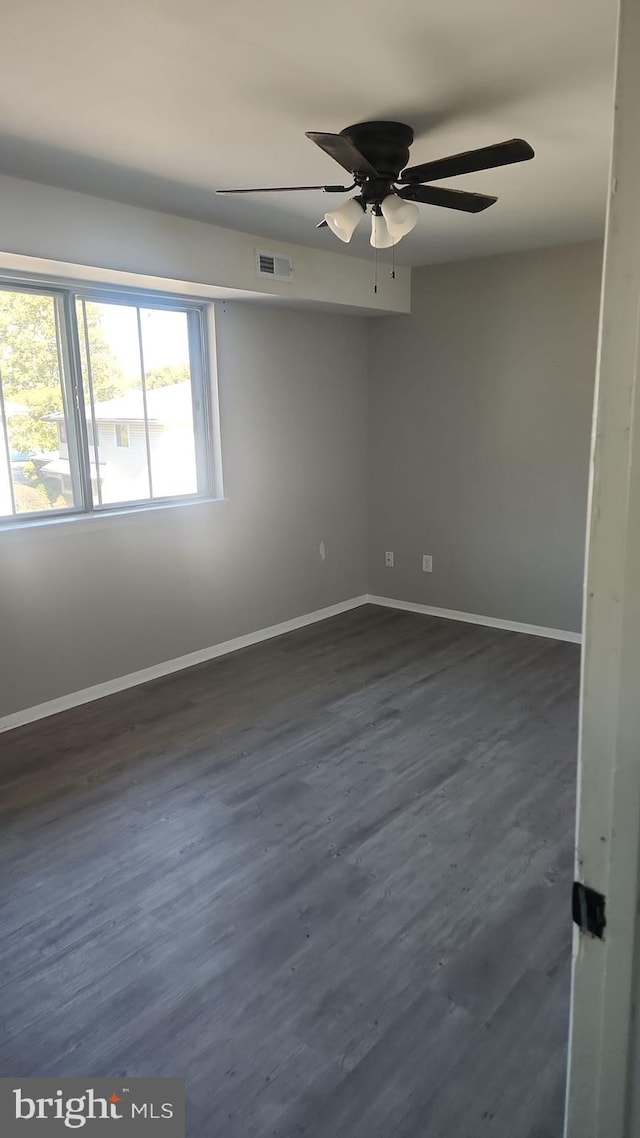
<point x="274" y="265"/>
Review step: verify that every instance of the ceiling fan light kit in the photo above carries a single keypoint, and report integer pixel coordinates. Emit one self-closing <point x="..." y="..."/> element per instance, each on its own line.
<point x="376" y="156"/>
<point x="390" y="220"/>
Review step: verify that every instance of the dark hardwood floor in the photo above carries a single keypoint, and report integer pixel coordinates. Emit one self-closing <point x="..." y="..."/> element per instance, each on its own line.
<point x="325" y="879"/>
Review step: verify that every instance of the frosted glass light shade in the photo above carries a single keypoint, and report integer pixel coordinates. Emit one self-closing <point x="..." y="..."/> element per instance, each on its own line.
<point x="343" y="220"/>
<point x="380" y="236"/>
<point x="400" y="216"/>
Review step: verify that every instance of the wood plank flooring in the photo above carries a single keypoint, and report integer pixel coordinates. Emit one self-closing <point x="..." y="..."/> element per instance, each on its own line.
<point x="325" y="879"/>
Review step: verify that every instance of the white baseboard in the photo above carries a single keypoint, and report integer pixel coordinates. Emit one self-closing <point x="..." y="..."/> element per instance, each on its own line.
<point x="120" y="683"/>
<point x="473" y="618"/>
<point x="133" y="679"/>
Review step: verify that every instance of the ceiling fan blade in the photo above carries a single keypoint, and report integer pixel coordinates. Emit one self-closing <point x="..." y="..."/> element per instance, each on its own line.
<point x="284" y="189"/>
<point x="451" y="199"/>
<point x="486" y="158"/>
<point x="343" y="151"/>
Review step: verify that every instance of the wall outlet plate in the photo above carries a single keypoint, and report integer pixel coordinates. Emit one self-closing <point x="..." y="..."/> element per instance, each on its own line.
<point x="427" y="563"/>
<point x="388" y="560"/>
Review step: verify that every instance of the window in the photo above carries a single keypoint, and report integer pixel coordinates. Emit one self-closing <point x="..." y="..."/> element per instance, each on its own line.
<point x="103" y="401"/>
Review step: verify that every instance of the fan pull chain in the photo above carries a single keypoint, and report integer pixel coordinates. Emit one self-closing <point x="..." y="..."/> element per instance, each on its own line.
<point x="375" y="270"/>
<point x="393" y="261"/>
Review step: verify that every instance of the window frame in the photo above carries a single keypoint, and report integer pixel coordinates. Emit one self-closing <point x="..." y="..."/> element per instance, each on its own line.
<point x="65" y="294"/>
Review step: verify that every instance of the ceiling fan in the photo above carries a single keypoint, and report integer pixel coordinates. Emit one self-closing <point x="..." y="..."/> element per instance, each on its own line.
<point x="376" y="154"/>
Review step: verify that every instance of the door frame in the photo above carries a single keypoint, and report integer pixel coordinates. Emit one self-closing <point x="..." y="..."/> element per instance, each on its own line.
<point x="603" y="1044"/>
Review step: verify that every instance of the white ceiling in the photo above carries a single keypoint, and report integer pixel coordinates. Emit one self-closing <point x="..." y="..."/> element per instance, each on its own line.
<point x="159" y="102"/>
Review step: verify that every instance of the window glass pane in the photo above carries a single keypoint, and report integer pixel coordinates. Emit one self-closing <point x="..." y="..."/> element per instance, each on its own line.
<point x="35" y="470"/>
<point x="114" y="401"/>
<point x="165" y="347"/>
<point x="137" y="381"/>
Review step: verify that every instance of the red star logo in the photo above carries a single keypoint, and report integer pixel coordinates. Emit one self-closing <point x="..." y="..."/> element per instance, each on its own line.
<point x="115" y="1098"/>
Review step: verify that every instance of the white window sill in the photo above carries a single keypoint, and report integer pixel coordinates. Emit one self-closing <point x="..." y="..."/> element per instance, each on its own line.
<point x="99" y="517"/>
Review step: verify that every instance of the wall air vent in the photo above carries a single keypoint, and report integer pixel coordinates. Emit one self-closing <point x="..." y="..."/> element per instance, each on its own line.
<point x="274" y="265"/>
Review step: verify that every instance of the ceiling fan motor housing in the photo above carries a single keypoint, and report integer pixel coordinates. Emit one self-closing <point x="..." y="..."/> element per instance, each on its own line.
<point x="386" y="146"/>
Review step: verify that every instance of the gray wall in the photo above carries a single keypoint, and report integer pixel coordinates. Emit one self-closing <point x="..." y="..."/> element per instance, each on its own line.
<point x="82" y="602"/>
<point x="479" y="427"/>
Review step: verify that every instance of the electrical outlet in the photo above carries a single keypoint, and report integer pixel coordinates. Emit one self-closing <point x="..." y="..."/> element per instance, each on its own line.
<point x="427" y="563"/>
<point x="388" y="560"/>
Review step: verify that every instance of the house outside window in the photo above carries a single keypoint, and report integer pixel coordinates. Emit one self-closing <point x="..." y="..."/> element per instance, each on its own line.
<point x="104" y="401"/>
